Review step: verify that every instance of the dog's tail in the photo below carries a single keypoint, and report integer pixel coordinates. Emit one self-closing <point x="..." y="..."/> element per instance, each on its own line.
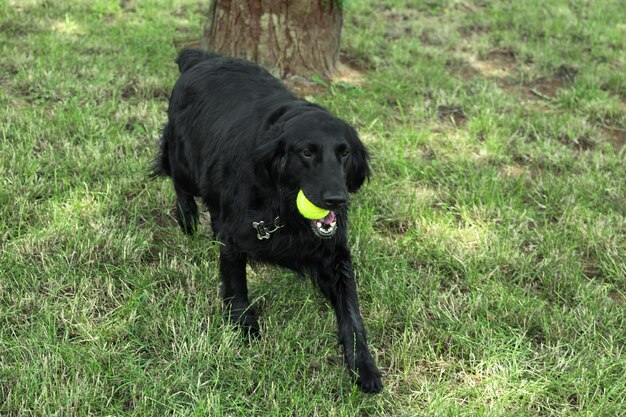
<point x="161" y="165"/>
<point x="188" y="58"/>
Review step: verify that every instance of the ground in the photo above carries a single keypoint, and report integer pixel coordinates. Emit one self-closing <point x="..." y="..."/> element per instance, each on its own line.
<point x="490" y="244"/>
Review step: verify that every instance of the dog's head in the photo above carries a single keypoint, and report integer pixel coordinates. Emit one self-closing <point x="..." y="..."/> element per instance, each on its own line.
<point x="307" y="148"/>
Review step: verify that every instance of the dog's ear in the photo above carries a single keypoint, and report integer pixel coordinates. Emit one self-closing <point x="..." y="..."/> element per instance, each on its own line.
<point x="357" y="170"/>
<point x="270" y="156"/>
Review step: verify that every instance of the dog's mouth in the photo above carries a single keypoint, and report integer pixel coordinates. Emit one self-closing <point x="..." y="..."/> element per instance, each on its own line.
<point x="325" y="227"/>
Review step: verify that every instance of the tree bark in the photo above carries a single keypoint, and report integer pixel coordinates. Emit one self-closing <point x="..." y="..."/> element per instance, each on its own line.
<point x="299" y="37"/>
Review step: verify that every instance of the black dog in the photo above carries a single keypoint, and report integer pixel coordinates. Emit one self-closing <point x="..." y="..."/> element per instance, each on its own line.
<point x="241" y="141"/>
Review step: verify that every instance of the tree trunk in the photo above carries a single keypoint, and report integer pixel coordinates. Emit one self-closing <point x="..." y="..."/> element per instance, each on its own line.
<point x="299" y="37"/>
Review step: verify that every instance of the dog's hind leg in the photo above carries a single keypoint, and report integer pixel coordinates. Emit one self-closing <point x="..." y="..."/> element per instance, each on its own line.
<point x="186" y="210"/>
<point x="235" y="290"/>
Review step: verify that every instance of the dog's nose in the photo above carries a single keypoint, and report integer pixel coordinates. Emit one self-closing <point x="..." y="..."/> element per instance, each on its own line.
<point x="334" y="199"/>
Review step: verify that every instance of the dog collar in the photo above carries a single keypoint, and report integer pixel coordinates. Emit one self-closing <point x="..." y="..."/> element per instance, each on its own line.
<point x="263" y="232"/>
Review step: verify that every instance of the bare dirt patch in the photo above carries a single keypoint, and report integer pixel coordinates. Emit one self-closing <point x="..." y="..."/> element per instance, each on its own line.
<point x="582" y="142"/>
<point x="547" y="88"/>
<point x="393" y="227"/>
<point x="618" y="297"/>
<point x="497" y="64"/>
<point x="514" y="171"/>
<point x="129" y="90"/>
<point x="616" y="136"/>
<point x="356" y="61"/>
<point x="347" y="74"/>
<point x="303" y="87"/>
<point x="504" y="67"/>
<point x="451" y="114"/>
<point x="540" y="90"/>
<point x="128" y="5"/>
<point x="591" y="269"/>
<point x="544" y="89"/>
<point x="469" y="31"/>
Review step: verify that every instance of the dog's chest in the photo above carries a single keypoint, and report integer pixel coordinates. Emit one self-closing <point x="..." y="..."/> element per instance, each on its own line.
<point x="284" y="247"/>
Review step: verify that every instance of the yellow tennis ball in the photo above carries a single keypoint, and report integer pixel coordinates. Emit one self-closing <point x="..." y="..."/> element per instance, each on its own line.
<point x="308" y="209"/>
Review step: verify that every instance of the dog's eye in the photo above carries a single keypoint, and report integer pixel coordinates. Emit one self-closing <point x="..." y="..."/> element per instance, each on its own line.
<point x="307" y="153"/>
<point x="345" y="153"/>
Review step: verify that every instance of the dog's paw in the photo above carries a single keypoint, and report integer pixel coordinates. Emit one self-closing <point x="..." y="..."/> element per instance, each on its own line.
<point x="250" y="327"/>
<point x="369" y="379"/>
<point x="246" y="322"/>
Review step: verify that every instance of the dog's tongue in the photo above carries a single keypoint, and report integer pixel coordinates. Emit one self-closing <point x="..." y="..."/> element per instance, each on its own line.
<point x="330" y="217"/>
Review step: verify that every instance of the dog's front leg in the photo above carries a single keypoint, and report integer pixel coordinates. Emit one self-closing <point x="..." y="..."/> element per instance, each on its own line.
<point x="235" y="290"/>
<point x="338" y="285"/>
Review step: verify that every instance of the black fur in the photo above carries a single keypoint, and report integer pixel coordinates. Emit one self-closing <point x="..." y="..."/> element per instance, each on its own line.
<point x="237" y="138"/>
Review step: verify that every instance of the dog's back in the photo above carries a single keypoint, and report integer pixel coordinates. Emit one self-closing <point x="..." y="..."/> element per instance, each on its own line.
<point x="219" y="81"/>
<point x="214" y="98"/>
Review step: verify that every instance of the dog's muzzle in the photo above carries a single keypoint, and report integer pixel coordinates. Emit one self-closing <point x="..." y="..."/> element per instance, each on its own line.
<point x="325" y="227"/>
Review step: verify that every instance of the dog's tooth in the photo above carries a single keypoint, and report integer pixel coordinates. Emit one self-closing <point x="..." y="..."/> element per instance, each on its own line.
<point x="333" y="224"/>
<point x="319" y="224"/>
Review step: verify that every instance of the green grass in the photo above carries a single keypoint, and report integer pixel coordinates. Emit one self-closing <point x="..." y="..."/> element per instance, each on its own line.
<point x="490" y="245"/>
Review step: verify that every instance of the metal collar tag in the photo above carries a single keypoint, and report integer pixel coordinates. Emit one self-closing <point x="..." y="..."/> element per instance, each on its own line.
<point x="263" y="232"/>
